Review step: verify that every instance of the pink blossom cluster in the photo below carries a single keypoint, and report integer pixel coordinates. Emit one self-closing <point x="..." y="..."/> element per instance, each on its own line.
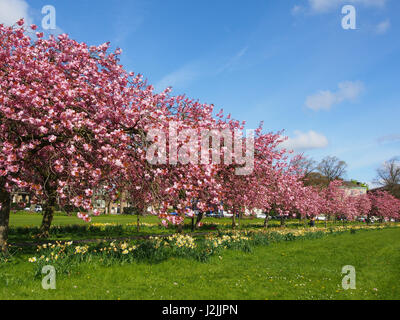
<point x="172" y="220"/>
<point x="76" y="127"/>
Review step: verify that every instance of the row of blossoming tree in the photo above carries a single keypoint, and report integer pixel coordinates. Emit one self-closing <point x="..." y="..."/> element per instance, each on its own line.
<point x="75" y="126"/>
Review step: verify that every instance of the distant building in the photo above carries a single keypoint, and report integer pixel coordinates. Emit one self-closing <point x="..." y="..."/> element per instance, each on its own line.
<point x="103" y="203"/>
<point x="106" y="206"/>
<point x="111" y="207"/>
<point x="354" y="188"/>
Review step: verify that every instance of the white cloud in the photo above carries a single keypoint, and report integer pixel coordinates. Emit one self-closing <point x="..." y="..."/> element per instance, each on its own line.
<point x="190" y="72"/>
<point x="323" y="6"/>
<point x="13" y="10"/>
<point x="382" y="27"/>
<point x="179" y="78"/>
<point x="303" y="141"/>
<point x="320" y="6"/>
<point x="321" y="100"/>
<point x="297" y="9"/>
<point x="128" y="19"/>
<point x="324" y="100"/>
<point x="233" y="60"/>
<point x="373" y="185"/>
<point x="393" y="138"/>
<point x="375" y="158"/>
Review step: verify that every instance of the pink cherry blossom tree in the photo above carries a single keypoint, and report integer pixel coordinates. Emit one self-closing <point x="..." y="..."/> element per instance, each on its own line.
<point x="384" y="206"/>
<point x="68" y="115"/>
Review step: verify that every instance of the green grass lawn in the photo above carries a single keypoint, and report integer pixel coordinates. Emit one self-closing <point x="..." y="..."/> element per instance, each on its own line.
<point x="302" y="269"/>
<point x="23" y="219"/>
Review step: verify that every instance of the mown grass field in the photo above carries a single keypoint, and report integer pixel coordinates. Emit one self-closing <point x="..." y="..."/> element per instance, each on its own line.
<point x="150" y="225"/>
<point x="23" y="219"/>
<point x="302" y="269"/>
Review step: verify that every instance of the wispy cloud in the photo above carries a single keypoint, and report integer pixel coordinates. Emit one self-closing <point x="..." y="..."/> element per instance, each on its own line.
<point x="13" y="10"/>
<point x="125" y="26"/>
<point x="389" y="139"/>
<point x="233" y="60"/>
<point x="190" y="72"/>
<point x="374" y="159"/>
<point x="324" y="6"/>
<point x="297" y="9"/>
<point x="180" y="78"/>
<point x="303" y="141"/>
<point x="382" y="27"/>
<point x="324" y="100"/>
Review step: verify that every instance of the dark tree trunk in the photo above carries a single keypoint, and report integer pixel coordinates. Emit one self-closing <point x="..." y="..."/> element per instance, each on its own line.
<point x="282" y="222"/>
<point x="5" y="202"/>
<point x="109" y="208"/>
<point x="200" y="216"/>
<point x="266" y="222"/>
<point x="138" y="222"/>
<point x="179" y="228"/>
<point x="48" y="214"/>
<point x="193" y="225"/>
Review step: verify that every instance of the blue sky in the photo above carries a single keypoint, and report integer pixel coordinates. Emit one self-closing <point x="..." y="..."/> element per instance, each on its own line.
<point x="288" y="63"/>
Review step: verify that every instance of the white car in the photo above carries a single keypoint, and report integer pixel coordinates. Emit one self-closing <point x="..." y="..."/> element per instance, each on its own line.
<point x="321" y="218"/>
<point x="228" y="215"/>
<point x="365" y="219"/>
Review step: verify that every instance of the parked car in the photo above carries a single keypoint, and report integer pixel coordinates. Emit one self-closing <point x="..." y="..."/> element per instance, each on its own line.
<point x="227" y="214"/>
<point x="211" y="214"/>
<point x="374" y="219"/>
<point x="365" y="219"/>
<point x="321" y="218"/>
